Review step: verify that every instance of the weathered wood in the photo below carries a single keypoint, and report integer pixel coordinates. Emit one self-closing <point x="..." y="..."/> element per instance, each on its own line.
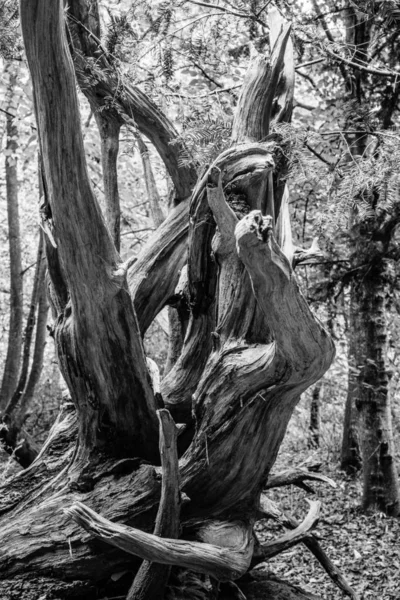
<point x="14" y="345"/>
<point x="107" y="367"/>
<point x="152" y="279"/>
<point x="296" y="476"/>
<point x="226" y="561"/>
<point x="292" y="538"/>
<point x="129" y="103"/>
<point x="254" y="113"/>
<point x="109" y="128"/>
<point x="253" y="343"/>
<point x="278" y="295"/>
<point x="151" y="579"/>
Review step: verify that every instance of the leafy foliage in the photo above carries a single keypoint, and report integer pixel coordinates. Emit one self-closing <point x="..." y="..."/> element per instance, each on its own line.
<point x="10" y="43"/>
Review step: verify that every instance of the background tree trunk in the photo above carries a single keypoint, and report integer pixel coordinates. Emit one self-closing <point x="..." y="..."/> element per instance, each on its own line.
<point x="368" y="399"/>
<point x="315" y="416"/>
<point x="14" y="346"/>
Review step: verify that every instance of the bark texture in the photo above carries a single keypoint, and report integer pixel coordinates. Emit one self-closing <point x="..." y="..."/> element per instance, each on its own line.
<point x="14" y="346"/>
<point x="369" y="398"/>
<point x="251" y="347"/>
<point x="371" y="395"/>
<point x="100" y="81"/>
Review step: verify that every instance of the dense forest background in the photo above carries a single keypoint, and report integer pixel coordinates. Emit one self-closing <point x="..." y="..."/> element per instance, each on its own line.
<point x="190" y="58"/>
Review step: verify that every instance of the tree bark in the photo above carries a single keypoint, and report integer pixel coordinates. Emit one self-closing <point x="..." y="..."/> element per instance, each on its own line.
<point x="89" y="332"/>
<point x="254" y="343"/>
<point x="350" y="458"/>
<point x="315" y="417"/>
<point x="369" y="374"/>
<point x="372" y="396"/>
<point x="129" y="103"/>
<point x="14" y="345"/>
<point x="23" y="447"/>
<point x="109" y="128"/>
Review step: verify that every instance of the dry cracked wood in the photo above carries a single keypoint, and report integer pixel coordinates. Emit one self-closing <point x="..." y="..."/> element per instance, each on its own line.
<point x="100" y="81"/>
<point x="224" y="562"/>
<point x="151" y="579"/>
<point x="296" y="476"/>
<point x="99" y="313"/>
<point x="255" y="361"/>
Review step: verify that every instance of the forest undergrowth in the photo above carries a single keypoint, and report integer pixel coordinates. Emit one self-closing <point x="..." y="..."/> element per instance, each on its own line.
<point x="365" y="547"/>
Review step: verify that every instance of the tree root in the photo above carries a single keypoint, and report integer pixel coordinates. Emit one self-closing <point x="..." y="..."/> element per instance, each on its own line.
<point x="151" y="579"/>
<point x="297" y="476"/>
<point x="222" y="562"/>
<point x="292" y="538"/>
<point x="270" y="509"/>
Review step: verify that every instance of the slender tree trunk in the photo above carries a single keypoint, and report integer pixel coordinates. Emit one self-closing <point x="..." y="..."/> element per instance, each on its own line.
<point x="109" y="128"/>
<point x="156" y="210"/>
<point x="29" y="329"/>
<point x="14" y="346"/>
<point x="41" y="336"/>
<point x="357" y="35"/>
<point x="23" y="447"/>
<point x="176" y="320"/>
<point x="315" y="417"/>
<point x="350" y="459"/>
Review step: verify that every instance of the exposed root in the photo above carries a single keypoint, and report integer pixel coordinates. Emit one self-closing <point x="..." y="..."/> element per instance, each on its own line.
<point x="223" y="563"/>
<point x="270" y="509"/>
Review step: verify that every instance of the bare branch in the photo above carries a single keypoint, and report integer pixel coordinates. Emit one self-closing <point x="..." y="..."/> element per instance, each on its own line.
<point x="222" y="562"/>
<point x="298" y="535"/>
<point x="299" y="336"/>
<point x="128" y="102"/>
<point x="150" y="182"/>
<point x="151" y="579"/>
<point x="270" y="509"/>
<point x="152" y="279"/>
<point x="296" y="477"/>
<point x="254" y="110"/>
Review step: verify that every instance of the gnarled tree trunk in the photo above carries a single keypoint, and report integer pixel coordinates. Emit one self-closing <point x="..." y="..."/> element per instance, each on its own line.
<point x="252" y="346"/>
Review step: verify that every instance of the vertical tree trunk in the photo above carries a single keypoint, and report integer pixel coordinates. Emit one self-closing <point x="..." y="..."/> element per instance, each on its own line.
<point x="17" y="441"/>
<point x="315" y="417"/>
<point x="368" y="395"/>
<point x="38" y="352"/>
<point x="14" y="347"/>
<point x="372" y="398"/>
<point x="350" y="458"/>
<point x="176" y="333"/>
<point x="109" y="128"/>
<point x="29" y="328"/>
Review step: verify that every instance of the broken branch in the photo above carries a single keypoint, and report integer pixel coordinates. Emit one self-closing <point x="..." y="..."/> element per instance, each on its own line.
<point x="292" y="538"/>
<point x="151" y="579"/>
<point x="223" y="563"/>
<point x="269" y="509"/>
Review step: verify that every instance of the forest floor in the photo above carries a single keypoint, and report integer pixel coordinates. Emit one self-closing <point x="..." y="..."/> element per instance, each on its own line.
<point x="366" y="548"/>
